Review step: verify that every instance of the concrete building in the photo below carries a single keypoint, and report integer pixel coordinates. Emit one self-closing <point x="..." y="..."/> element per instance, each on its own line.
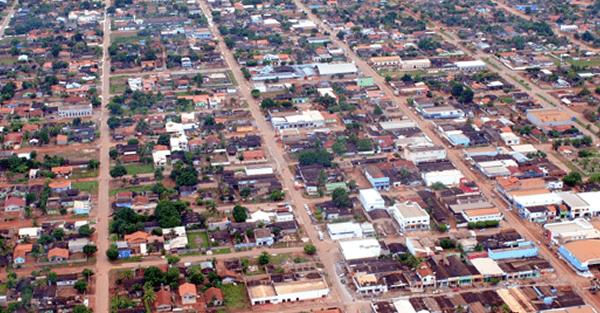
<point x="305" y="119"/>
<point x="410" y="216"/>
<point x="289" y="291"/>
<point x="418" y="154"/>
<point x="523" y="249"/>
<point x="535" y="197"/>
<point x="371" y="199"/>
<point x="482" y="215"/>
<point x="468" y="66"/>
<point x="377" y="179"/>
<point x="592" y="198"/>
<point x="385" y="61"/>
<point x="327" y="69"/>
<point x="577" y="206"/>
<point x="566" y="231"/>
<point x="67" y="111"/>
<point x="581" y="253"/>
<point x="549" y="117"/>
<point x="441" y="112"/>
<point x="360" y="249"/>
<point x="417" y="63"/>
<point x="348" y="230"/>
<point x="448" y="177"/>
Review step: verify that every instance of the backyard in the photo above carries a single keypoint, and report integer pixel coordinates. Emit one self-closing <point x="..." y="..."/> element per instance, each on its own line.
<point x="235" y="296"/>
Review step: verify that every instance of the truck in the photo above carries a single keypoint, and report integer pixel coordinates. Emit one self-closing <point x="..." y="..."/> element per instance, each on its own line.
<point x="320" y="235"/>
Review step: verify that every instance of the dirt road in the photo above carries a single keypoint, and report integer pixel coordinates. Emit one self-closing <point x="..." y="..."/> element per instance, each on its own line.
<point x="102" y="262"/>
<point x="338" y="292"/>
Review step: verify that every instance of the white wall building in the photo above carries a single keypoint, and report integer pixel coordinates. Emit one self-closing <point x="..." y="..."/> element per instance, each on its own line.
<point x="448" y="178"/>
<point x="410" y="216"/>
<point x="476" y="65"/>
<point x="371" y="199"/>
<point x="424" y="153"/>
<point x="482" y="215"/>
<point x="360" y="249"/>
<point x="83" y="110"/>
<point x="348" y="230"/>
<point x="306" y="119"/>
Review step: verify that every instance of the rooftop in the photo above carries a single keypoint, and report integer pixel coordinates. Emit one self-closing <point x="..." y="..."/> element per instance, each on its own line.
<point x="300" y="286"/>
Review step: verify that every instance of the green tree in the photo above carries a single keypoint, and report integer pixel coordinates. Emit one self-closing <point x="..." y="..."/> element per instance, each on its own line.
<point x="85" y="230"/>
<point x="438" y="186"/>
<point x="277" y="195"/>
<point x="112" y="253"/>
<point x="51" y="277"/>
<point x="89" y="250"/>
<point x="93" y="164"/>
<point x="171" y="259"/>
<point x="118" y="171"/>
<point x="164" y="139"/>
<point x="339" y="147"/>
<point x="245" y="193"/>
<point x="341" y="198"/>
<point x="154" y="276"/>
<point x="82" y="309"/>
<point x="81" y="286"/>
<point x="310" y="249"/>
<point x="572" y="179"/>
<point x="87" y="273"/>
<point x="364" y="144"/>
<point x="113" y="154"/>
<point x="239" y="213"/>
<point x="264" y="258"/>
<point x="447" y="243"/>
<point x="58" y="234"/>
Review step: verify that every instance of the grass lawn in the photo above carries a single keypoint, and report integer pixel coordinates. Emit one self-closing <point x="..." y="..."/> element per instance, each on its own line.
<point x="584" y="62"/>
<point x="235" y="296"/>
<point x="114" y="238"/>
<point x="85" y="173"/>
<point x="231" y="77"/>
<point x="131" y="39"/>
<point x="114" y="192"/>
<point x="3" y="289"/>
<point x="197" y="240"/>
<point x="139" y="169"/>
<point x="222" y="251"/>
<point x="89" y="186"/>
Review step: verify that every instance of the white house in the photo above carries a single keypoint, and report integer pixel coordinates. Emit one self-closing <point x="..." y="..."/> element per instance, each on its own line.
<point x="31" y="232"/>
<point x="418" y="154"/>
<point x="481" y="215"/>
<point x="448" y="177"/>
<point x="346" y="230"/>
<point x="371" y="199"/>
<point x="360" y="249"/>
<point x="409" y="216"/>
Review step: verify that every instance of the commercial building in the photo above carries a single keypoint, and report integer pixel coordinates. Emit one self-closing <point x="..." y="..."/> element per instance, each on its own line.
<point x="535" y="197"/>
<point x="447" y="177"/>
<point x="520" y="249"/>
<point x="549" y="117"/>
<point x="305" y="119"/>
<point x="592" y="198"/>
<point x="577" y="206"/>
<point x="83" y="110"/>
<point x="410" y="216"/>
<point x="441" y="112"/>
<point x="482" y="215"/>
<point x="418" y="154"/>
<point x="417" y="63"/>
<point x="360" y="249"/>
<point x="377" y="179"/>
<point x="383" y="61"/>
<point x="348" y="230"/>
<point x="288" y="291"/>
<point x="576" y="229"/>
<point x="581" y="253"/>
<point x="476" y="65"/>
<point x="371" y="199"/>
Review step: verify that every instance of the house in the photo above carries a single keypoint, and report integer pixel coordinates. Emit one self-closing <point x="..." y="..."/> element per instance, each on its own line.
<point x="67" y="279"/>
<point x="346" y="230"/>
<point x="138" y="237"/>
<point x="263" y="237"/>
<point x="377" y="179"/>
<point x="31" y="232"/>
<point x="62" y="140"/>
<point x="188" y="293"/>
<point x="14" y="204"/>
<point x="253" y="155"/>
<point x="20" y="253"/>
<point x="163" y="301"/>
<point x="214" y="296"/>
<point x="59" y="186"/>
<point x="58" y="255"/>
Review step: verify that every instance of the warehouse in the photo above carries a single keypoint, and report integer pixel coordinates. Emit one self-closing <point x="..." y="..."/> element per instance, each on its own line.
<point x="549" y="117"/>
<point x="304" y="119"/>
<point x="441" y="112"/>
<point x="371" y="199"/>
<point x="326" y="69"/>
<point x="581" y="254"/>
<point x="448" y="177"/>
<point x="476" y="65"/>
<point x="360" y="249"/>
<point x="289" y="291"/>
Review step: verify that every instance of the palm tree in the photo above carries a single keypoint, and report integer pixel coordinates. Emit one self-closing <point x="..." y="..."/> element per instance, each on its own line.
<point x="128" y="274"/>
<point x="149" y="294"/>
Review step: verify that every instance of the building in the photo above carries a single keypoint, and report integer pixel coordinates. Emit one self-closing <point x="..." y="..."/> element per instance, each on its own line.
<point x="577" y="206"/>
<point x="581" y="253"/>
<point x="441" y="112"/>
<point x="383" y="61"/>
<point x="83" y="110"/>
<point x="263" y="237"/>
<point x="417" y="63"/>
<point x="188" y="293"/>
<point x="377" y="179"/>
<point x="520" y="249"/>
<point x="447" y="177"/>
<point x="20" y="253"/>
<point x="13" y="204"/>
<point x="163" y="301"/>
<point x="360" y="249"/>
<point x="577" y="229"/>
<point x="348" y="230"/>
<point x="288" y="291"/>
<point x="305" y="119"/>
<point x="481" y="215"/>
<point x="58" y="255"/>
<point x="418" y="154"/>
<point x="549" y="117"/>
<point x="371" y="199"/>
<point x="410" y="216"/>
<point x="327" y="69"/>
<point x="468" y="66"/>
